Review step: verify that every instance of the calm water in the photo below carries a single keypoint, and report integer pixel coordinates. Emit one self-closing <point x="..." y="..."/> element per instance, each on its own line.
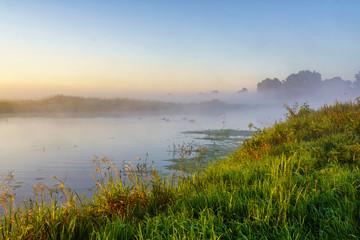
<point x="36" y="148"/>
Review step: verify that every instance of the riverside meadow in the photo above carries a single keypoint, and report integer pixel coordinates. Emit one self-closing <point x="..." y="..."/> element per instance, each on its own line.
<point x="199" y="120"/>
<point x="297" y="179"/>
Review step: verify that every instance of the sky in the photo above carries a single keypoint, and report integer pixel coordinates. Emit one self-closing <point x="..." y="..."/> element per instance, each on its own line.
<point x="140" y="48"/>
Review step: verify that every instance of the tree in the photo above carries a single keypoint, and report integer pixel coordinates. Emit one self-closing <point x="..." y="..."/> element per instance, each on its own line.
<point x="357" y="76"/>
<point x="335" y="86"/>
<point x="357" y="80"/>
<point x="302" y="82"/>
<point x="336" y="82"/>
<point x="244" y="90"/>
<point x="269" y="85"/>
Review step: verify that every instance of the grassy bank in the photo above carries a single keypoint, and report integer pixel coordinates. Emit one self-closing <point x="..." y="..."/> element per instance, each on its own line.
<point x="298" y="179"/>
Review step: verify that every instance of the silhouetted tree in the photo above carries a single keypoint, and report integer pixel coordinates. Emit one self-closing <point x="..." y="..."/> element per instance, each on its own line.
<point x="336" y="82"/>
<point x="335" y="85"/>
<point x="303" y="82"/>
<point x="357" y="76"/>
<point x="357" y="80"/>
<point x="269" y="85"/>
<point x="244" y="90"/>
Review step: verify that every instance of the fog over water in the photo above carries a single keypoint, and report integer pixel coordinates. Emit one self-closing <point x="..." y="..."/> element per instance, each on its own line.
<point x="126" y="81"/>
<point x="35" y="148"/>
<point x="60" y="135"/>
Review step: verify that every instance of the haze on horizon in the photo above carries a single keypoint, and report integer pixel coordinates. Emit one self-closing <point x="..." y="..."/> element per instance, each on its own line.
<point x="151" y="48"/>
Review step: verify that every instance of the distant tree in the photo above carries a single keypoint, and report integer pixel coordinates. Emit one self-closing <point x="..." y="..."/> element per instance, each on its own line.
<point x="357" y="76"/>
<point x="357" y="80"/>
<point x="336" y="81"/>
<point x="303" y="82"/>
<point x="335" y="85"/>
<point x="244" y="90"/>
<point x="214" y="91"/>
<point x="269" y="85"/>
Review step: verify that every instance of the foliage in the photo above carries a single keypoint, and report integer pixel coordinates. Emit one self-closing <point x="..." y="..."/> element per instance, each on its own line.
<point x="303" y="80"/>
<point x="269" y="85"/>
<point x="309" y="84"/>
<point x="357" y="80"/>
<point x="333" y="132"/>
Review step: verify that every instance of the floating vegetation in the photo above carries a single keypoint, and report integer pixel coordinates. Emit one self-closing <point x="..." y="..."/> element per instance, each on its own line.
<point x="223" y="132"/>
<point x="188" y="157"/>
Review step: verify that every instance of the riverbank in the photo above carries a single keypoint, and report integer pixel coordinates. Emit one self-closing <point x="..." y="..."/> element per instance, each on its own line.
<point x="298" y="179"/>
<point x="74" y="106"/>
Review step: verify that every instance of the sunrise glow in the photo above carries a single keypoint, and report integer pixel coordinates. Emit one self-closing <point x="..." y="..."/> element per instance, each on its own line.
<point x="128" y="49"/>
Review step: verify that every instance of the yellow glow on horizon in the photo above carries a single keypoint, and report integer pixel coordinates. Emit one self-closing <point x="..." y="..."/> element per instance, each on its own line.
<point x="112" y="76"/>
<point x="40" y="72"/>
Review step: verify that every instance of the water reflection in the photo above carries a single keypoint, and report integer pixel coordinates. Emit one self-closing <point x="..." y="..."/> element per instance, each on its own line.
<point x="36" y="148"/>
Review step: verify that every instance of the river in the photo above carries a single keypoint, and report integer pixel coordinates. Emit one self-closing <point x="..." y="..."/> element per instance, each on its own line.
<point x="34" y="148"/>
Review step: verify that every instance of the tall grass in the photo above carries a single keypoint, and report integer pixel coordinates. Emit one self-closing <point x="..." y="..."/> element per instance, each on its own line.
<point x="298" y="179"/>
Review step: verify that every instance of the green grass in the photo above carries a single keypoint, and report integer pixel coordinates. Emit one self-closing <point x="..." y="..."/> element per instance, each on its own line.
<point x="298" y="179"/>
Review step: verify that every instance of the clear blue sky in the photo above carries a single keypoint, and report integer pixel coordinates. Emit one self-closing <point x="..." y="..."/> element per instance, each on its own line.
<point x="127" y="48"/>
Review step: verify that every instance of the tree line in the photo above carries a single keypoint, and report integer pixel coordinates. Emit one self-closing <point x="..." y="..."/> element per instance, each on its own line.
<point x="92" y="106"/>
<point x="308" y="83"/>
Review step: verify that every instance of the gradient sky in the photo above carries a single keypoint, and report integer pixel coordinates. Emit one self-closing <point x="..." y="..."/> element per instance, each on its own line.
<point x="129" y="48"/>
